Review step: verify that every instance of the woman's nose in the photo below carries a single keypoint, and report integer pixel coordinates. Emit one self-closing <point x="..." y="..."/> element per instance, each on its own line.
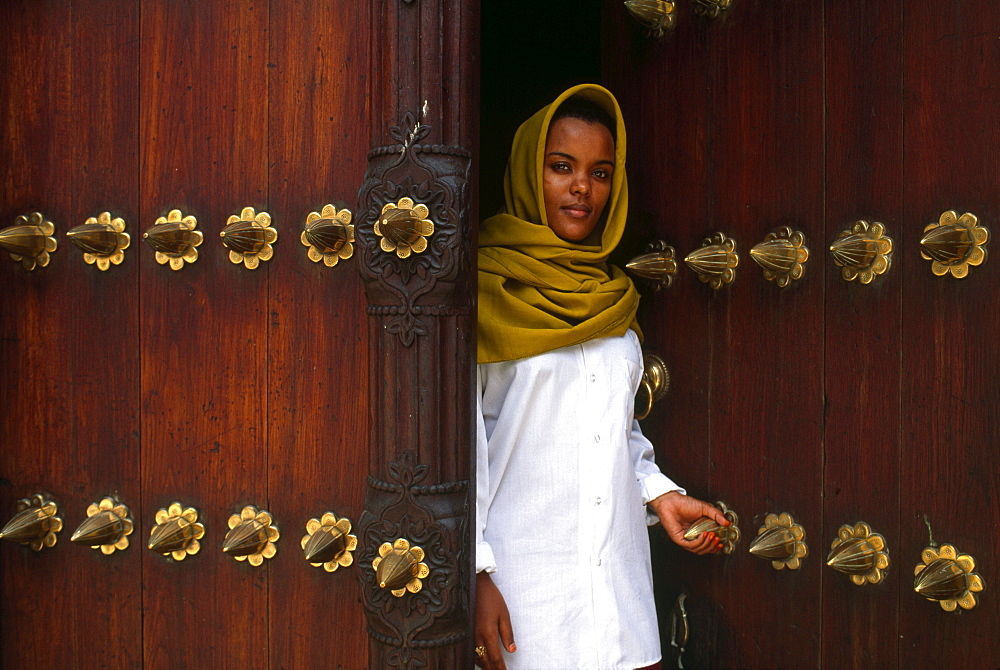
<point x="581" y="186"/>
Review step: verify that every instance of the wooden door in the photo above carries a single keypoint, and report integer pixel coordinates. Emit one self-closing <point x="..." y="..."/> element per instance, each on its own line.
<point x="218" y="385"/>
<point x="835" y="401"/>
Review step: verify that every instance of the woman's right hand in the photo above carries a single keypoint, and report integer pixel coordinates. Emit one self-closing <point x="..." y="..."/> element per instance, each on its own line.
<point x="492" y="624"/>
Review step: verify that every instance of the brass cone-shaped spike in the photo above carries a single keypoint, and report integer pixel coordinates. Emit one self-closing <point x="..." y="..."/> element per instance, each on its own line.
<point x="23" y="240"/>
<point x="948" y="243"/>
<point x="711" y="260"/>
<point x="855" y="251"/>
<point x="327" y="235"/>
<point x="402" y="226"/>
<point x="776" y="255"/>
<point x="776" y="543"/>
<point x="173" y="238"/>
<point x="245" y="237"/>
<point x="942" y="579"/>
<point x="100" y="239"/>
<point x="395" y="570"/>
<point x="657" y="15"/>
<point x="854" y="556"/>
<point x="325" y="545"/>
<point x="249" y="537"/>
<point x="703" y="525"/>
<point x="105" y="527"/>
<point x="31" y="524"/>
<point x="657" y="266"/>
<point x="173" y="535"/>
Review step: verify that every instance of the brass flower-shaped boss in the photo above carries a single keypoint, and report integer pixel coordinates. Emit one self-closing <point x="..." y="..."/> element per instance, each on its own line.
<point x="176" y="532"/>
<point x="102" y="240"/>
<point x="657" y="264"/>
<point x="860" y="553"/>
<point x="947" y="577"/>
<point x="404" y="227"/>
<point x="174" y="239"/>
<point x="656" y="15"/>
<point x="715" y="261"/>
<point x="711" y="8"/>
<point x="251" y="536"/>
<point x="862" y="252"/>
<point x="329" y="235"/>
<point x="398" y="567"/>
<point x="781" y="541"/>
<point x="328" y="542"/>
<point x="248" y="237"/>
<point x="35" y="525"/>
<point x="782" y="255"/>
<point x="954" y="243"/>
<point x="106" y="527"/>
<point x="729" y="535"/>
<point x="30" y="240"/>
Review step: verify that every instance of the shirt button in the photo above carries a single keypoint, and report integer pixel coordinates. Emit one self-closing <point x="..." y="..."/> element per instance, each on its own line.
<point x="593" y="377"/>
<point x="597" y="501"/>
<point x="597" y="438"/>
<point x="597" y="562"/>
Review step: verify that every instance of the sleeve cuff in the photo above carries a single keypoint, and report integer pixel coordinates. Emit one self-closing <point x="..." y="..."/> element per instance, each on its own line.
<point x="653" y="487"/>
<point x="485" y="562"/>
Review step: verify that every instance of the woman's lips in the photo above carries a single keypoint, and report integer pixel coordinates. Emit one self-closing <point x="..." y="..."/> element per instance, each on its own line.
<point x="578" y="211"/>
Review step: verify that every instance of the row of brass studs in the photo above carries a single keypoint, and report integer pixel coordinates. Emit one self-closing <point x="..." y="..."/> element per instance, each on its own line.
<point x="252" y="537"/>
<point x="944" y="575"/>
<point x="862" y="252"/>
<point x="658" y="16"/>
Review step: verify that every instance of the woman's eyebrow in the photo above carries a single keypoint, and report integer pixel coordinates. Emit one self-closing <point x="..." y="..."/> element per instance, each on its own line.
<point x="573" y="158"/>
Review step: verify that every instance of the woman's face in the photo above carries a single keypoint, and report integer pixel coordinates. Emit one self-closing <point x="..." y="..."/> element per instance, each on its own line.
<point x="576" y="182"/>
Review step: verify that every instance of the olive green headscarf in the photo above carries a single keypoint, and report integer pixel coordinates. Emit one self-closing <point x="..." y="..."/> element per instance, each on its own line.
<point x="538" y="292"/>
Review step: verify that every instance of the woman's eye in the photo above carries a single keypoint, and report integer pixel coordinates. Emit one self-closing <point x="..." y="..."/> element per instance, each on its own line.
<point x="602" y="174"/>
<point x="560" y="167"/>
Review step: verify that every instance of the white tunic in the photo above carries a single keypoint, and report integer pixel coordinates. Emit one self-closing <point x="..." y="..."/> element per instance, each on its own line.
<point x="564" y="474"/>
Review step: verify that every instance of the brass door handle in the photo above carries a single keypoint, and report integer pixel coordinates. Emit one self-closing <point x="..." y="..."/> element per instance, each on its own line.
<point x="729" y="535"/>
<point x="862" y="252"/>
<point x="655" y="382"/>
<point x="328" y="542"/>
<point x="106" y="527"/>
<point x="30" y="240"/>
<point x="954" y="243"/>
<point x="946" y="576"/>
<point x="715" y="261"/>
<point x="36" y="523"/>
<point x="860" y="553"/>
<point x="781" y="541"/>
<point x="400" y="567"/>
<point x="252" y="536"/>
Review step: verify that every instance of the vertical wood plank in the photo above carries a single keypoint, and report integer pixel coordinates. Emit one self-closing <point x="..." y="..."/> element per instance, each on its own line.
<point x="203" y="131"/>
<point x="864" y="155"/>
<point x="67" y="331"/>
<point x="318" y="335"/>
<point x="950" y="465"/>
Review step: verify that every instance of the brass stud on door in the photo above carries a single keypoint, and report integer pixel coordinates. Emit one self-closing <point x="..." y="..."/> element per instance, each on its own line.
<point x="711" y="9"/>
<point x="715" y="261"/>
<point x="106" y="527"/>
<point x="946" y="576"/>
<point x="657" y="263"/>
<point x="862" y="252"/>
<point x="30" y="240"/>
<point x="860" y="553"/>
<point x="657" y="16"/>
<point x="174" y="239"/>
<point x="781" y="541"/>
<point x="102" y="240"/>
<point x="329" y="235"/>
<point x="954" y="243"/>
<point x="249" y="237"/>
<point x="328" y="542"/>
<point x="177" y="532"/>
<point x="782" y="255"/>
<point x="252" y="536"/>
<point x="399" y="567"/>
<point x="404" y="228"/>
<point x="36" y="523"/>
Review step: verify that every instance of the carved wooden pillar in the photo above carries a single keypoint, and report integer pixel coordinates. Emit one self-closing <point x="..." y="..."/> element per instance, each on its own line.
<point x="419" y="271"/>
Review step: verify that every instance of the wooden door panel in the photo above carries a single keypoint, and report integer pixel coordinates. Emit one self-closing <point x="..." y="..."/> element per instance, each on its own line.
<point x="317" y="327"/>
<point x="862" y="366"/>
<point x="67" y="331"/>
<point x="949" y="383"/>
<point x="204" y="338"/>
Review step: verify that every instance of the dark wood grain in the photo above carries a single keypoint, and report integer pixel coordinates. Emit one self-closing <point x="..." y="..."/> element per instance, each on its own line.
<point x="949" y="385"/>
<point x="864" y="155"/>
<point x="317" y="327"/>
<point x="203" y="144"/>
<point x="67" y="331"/>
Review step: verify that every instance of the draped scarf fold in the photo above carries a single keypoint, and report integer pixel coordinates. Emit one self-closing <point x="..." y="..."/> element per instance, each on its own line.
<point x="538" y="292"/>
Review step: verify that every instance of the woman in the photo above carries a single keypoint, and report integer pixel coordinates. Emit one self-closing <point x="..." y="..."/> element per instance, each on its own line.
<point x="564" y="473"/>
